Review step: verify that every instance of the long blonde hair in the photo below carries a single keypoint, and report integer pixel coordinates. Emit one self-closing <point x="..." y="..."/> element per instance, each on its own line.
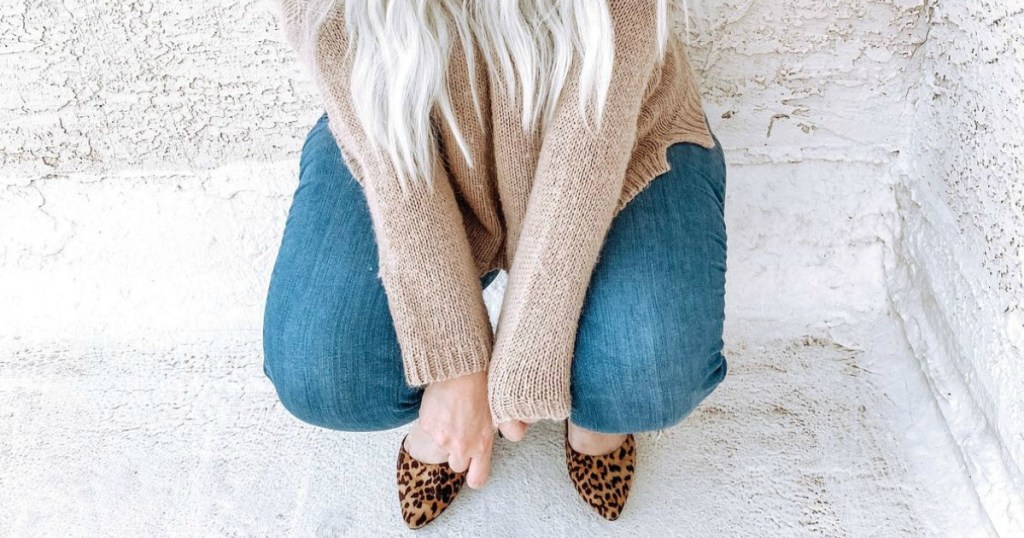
<point x="403" y="47"/>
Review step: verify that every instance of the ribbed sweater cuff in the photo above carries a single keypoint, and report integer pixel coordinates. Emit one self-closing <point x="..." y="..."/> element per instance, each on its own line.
<point x="424" y="364"/>
<point x="522" y="394"/>
<point x="528" y="409"/>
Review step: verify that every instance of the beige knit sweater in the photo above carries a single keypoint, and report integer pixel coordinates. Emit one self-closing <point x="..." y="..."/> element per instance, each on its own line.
<point x="536" y="206"/>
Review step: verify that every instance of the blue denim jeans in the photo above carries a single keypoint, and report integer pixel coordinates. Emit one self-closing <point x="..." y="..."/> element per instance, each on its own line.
<point x="649" y="343"/>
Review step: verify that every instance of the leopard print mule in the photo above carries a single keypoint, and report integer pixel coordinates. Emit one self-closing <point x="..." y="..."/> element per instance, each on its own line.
<point x="425" y="489"/>
<point x="603" y="481"/>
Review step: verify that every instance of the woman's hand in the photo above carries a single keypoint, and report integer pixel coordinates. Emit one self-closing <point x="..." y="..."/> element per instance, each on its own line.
<point x="513" y="430"/>
<point x="456" y="415"/>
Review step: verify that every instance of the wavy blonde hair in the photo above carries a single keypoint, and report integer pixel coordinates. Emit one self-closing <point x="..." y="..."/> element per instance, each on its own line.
<point x="403" y="48"/>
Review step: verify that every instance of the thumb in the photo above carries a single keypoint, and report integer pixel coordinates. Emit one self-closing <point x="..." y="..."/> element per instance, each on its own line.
<point x="513" y="430"/>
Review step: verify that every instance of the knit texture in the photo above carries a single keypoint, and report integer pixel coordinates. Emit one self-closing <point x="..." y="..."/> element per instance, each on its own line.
<point x="537" y="205"/>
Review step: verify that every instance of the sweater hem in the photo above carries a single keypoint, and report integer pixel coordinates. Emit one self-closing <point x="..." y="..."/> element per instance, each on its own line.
<point x="650" y="159"/>
<point x="682" y="120"/>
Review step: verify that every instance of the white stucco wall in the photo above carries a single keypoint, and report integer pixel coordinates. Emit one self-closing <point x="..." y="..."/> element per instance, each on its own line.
<point x="149" y="152"/>
<point x="891" y="143"/>
<point x="956" y="273"/>
<point x="149" y="155"/>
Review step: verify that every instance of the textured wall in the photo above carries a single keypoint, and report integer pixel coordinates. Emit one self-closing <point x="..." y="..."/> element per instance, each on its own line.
<point x="956" y="276"/>
<point x="148" y="154"/>
<point x="809" y="99"/>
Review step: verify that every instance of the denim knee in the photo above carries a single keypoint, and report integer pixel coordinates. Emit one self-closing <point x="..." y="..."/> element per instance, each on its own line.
<point x="330" y="398"/>
<point x="673" y="404"/>
<point x="329" y="343"/>
<point x="636" y="394"/>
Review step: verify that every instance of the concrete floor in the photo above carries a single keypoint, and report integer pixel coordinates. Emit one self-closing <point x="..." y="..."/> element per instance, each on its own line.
<point x="804" y="437"/>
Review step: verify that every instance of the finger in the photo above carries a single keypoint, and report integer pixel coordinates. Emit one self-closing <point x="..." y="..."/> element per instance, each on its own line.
<point x="457" y="462"/>
<point x="479" y="469"/>
<point x="513" y="430"/>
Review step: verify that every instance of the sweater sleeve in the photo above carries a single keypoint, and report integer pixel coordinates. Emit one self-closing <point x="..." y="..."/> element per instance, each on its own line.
<point x="579" y="178"/>
<point x="426" y="265"/>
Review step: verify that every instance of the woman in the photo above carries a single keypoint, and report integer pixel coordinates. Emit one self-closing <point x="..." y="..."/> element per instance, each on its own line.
<point x="560" y="140"/>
